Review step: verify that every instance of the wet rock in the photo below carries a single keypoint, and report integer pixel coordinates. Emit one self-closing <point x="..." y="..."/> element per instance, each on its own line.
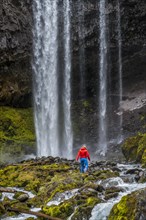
<point x="100" y="188"/>
<point x="134" y="148"/>
<point x="23" y="197"/>
<point x="110" y="163"/>
<point x="111" y="195"/>
<point x="132" y="206"/>
<point x="2" y="209"/>
<point x="113" y="189"/>
<point x="133" y="171"/>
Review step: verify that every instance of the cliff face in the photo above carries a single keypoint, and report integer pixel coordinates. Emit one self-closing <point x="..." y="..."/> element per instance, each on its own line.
<point x="15" y="52"/>
<point x="133" y="15"/>
<point x="16" y="46"/>
<point x="133" y="47"/>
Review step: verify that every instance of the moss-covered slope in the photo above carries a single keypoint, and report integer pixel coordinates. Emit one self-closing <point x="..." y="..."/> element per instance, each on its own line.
<point x="134" y="149"/>
<point x="48" y="179"/>
<point x="16" y="132"/>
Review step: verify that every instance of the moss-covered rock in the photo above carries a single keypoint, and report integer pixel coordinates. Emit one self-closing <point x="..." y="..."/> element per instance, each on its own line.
<point x="83" y="211"/>
<point x="132" y="206"/>
<point x="144" y="158"/>
<point x="134" y="148"/>
<point x="16" y="133"/>
<point x="2" y="209"/>
<point x="63" y="210"/>
<point x="49" y="180"/>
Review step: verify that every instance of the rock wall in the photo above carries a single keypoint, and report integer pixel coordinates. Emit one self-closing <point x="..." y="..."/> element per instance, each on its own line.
<point x="16" y="46"/>
<point x="15" y="53"/>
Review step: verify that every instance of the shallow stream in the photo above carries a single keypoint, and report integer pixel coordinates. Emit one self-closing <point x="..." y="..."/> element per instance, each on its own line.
<point x="126" y="182"/>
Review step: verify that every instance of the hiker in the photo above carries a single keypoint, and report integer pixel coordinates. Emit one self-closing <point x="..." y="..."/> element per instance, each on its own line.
<point x="84" y="156"/>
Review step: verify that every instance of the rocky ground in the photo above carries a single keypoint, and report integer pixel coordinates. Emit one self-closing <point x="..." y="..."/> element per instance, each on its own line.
<point x="61" y="191"/>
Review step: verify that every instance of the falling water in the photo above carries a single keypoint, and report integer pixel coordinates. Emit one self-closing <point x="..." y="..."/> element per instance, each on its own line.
<point x="103" y="78"/>
<point x="120" y="66"/>
<point x="45" y="76"/>
<point x="82" y="76"/>
<point x="68" y="138"/>
<point x="81" y="48"/>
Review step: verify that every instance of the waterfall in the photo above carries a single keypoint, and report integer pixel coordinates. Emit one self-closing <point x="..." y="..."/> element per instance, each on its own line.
<point x="45" y="76"/>
<point x="120" y="66"/>
<point x="81" y="49"/>
<point x="103" y="80"/>
<point x="46" y="71"/>
<point x="68" y="138"/>
<point x="82" y="76"/>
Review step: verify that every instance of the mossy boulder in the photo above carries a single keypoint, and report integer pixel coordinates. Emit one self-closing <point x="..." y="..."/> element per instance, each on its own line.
<point x="132" y="206"/>
<point x="63" y="210"/>
<point x="134" y="149"/>
<point x="17" y="135"/>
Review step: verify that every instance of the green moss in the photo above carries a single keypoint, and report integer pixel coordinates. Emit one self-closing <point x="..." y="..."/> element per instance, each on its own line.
<point x="141" y="147"/>
<point x="16" y="124"/>
<point x="86" y="104"/>
<point x="134" y="147"/>
<point x="144" y="159"/>
<point x="2" y="209"/>
<point x="64" y="182"/>
<point x="130" y="147"/>
<point x="85" y="207"/>
<point x="16" y="132"/>
<point x="124" y="209"/>
<point x="92" y="201"/>
<point x="130" y="207"/>
<point x="62" y="211"/>
<point x="30" y="218"/>
<point x="46" y="180"/>
<point x="104" y="174"/>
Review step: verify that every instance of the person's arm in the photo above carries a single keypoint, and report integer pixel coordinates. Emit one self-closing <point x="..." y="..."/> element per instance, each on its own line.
<point x="78" y="155"/>
<point x="88" y="155"/>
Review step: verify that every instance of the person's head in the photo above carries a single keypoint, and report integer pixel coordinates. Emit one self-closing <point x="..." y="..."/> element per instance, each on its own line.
<point x="84" y="146"/>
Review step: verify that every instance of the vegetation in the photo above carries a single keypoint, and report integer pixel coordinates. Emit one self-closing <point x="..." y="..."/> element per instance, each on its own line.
<point x="130" y="207"/>
<point x="134" y="149"/>
<point x="48" y="179"/>
<point x="16" y="132"/>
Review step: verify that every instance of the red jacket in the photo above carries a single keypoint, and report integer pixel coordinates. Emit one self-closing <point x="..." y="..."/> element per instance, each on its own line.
<point x="83" y="153"/>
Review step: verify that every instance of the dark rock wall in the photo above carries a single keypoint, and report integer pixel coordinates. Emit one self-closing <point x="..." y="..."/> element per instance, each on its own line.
<point x="133" y="30"/>
<point x="15" y="52"/>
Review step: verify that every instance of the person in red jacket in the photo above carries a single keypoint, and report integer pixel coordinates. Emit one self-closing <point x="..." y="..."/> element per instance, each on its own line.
<point x="84" y="156"/>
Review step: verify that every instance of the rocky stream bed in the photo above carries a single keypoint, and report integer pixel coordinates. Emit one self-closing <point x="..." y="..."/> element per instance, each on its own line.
<point x="55" y="188"/>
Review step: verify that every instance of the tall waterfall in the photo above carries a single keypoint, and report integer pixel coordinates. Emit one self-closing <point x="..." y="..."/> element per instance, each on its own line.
<point x="46" y="71"/>
<point x="68" y="138"/>
<point x="120" y="66"/>
<point x="81" y="48"/>
<point x="103" y="80"/>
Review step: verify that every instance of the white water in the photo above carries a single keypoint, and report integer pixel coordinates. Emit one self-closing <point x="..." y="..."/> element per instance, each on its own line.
<point x="102" y="210"/>
<point x="103" y="81"/>
<point x="45" y="76"/>
<point x="46" y="72"/>
<point x="81" y="33"/>
<point x="68" y="137"/>
<point x="120" y="66"/>
<point x="10" y="196"/>
<point x="61" y="197"/>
